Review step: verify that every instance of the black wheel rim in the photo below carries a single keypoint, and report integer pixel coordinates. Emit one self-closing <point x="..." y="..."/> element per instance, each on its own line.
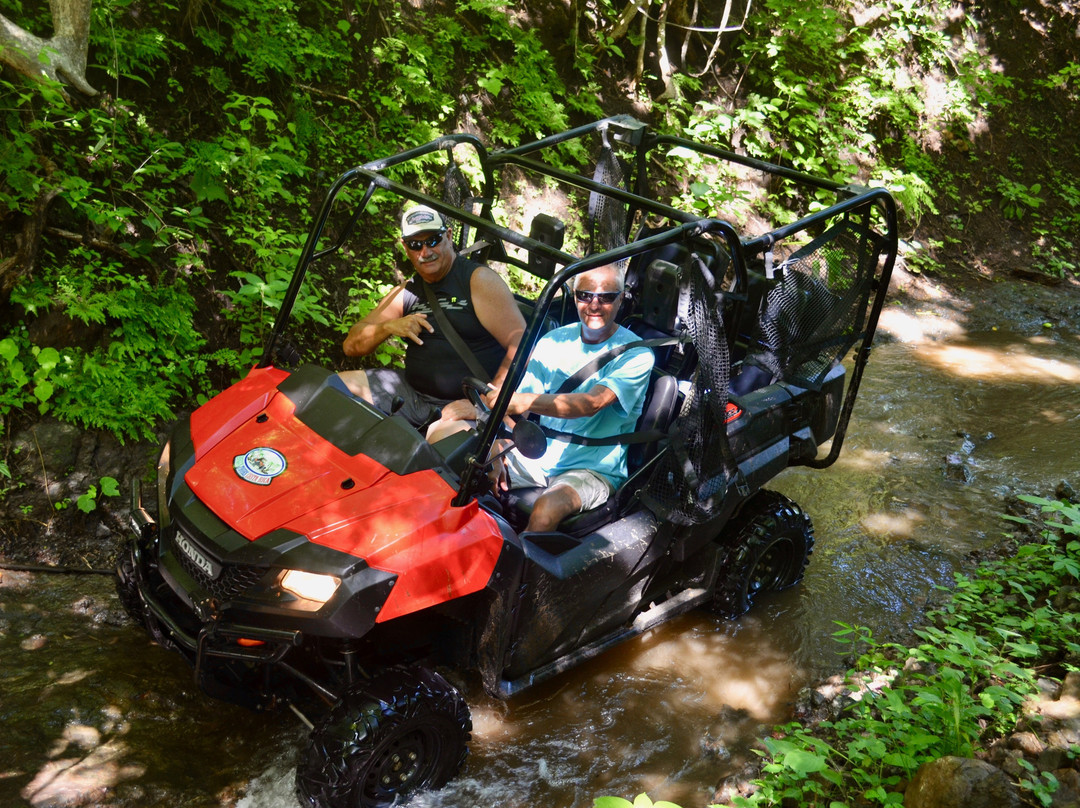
<point x="772" y="570"/>
<point x="405" y="763"/>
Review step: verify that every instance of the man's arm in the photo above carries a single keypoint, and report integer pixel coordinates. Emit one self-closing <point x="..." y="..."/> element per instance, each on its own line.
<point x="561" y="405"/>
<point x="384" y="321"/>
<point x="625" y="382"/>
<point x="497" y="312"/>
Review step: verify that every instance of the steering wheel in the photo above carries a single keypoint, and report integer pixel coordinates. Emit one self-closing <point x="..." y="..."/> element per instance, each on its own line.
<point x="474" y="390"/>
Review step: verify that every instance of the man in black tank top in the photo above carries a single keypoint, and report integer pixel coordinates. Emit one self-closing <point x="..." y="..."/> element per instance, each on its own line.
<point x="475" y="300"/>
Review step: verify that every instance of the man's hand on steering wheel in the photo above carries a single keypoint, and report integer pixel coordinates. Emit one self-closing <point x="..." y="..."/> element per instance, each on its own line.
<point x="477" y="392"/>
<point x="460" y="410"/>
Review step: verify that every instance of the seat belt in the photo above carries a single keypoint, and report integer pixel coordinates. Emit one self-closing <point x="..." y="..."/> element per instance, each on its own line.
<point x="591" y="367"/>
<point x="601" y="359"/>
<point x="646" y="436"/>
<point x="452" y="336"/>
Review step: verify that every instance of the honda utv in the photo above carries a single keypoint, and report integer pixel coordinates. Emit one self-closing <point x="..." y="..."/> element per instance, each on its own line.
<point x="311" y="551"/>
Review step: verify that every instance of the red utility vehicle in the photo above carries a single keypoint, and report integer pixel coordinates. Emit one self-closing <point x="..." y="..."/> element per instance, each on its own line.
<point x="309" y="550"/>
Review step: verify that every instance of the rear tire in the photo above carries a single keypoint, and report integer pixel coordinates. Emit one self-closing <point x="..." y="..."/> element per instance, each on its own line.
<point x="773" y="541"/>
<point x="406" y="730"/>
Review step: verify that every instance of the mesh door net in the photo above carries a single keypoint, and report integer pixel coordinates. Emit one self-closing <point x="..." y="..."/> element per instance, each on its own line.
<point x="607" y="216"/>
<point x="817" y="310"/>
<point x="691" y="479"/>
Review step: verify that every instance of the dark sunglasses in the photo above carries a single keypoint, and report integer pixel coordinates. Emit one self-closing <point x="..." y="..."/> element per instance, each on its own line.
<point x="416" y="244"/>
<point x="607" y="298"/>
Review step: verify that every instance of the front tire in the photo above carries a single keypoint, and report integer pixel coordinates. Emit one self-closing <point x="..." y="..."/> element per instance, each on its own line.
<point x="405" y="730"/>
<point x="773" y="542"/>
<point x="127" y="586"/>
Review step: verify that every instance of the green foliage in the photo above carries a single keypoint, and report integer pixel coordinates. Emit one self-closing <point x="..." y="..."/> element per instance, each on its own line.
<point x="27" y="378"/>
<point x="827" y="95"/>
<point x="87" y="502"/>
<point x="1017" y="198"/>
<point x="640" y="801"/>
<point x="147" y="355"/>
<point x="275" y="38"/>
<point x="213" y="190"/>
<point x="133" y="52"/>
<point x="964" y="680"/>
<point x="520" y="72"/>
<point x="221" y="123"/>
<point x="1055" y="251"/>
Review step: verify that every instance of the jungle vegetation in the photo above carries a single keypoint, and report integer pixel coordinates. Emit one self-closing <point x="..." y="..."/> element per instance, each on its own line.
<point x="155" y="187"/>
<point x="160" y="162"/>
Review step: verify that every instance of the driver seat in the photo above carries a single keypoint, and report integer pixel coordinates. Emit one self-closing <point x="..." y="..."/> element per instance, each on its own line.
<point x="658" y="412"/>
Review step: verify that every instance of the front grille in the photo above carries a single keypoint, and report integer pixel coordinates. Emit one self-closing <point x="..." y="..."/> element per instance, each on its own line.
<point x="235" y="579"/>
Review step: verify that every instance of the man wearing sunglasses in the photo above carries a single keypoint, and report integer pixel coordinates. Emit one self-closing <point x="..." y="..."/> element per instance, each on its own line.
<point x="608" y="402"/>
<point x="475" y="300"/>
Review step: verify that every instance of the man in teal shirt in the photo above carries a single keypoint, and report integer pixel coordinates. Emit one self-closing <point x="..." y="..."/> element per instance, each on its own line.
<point x="580" y="477"/>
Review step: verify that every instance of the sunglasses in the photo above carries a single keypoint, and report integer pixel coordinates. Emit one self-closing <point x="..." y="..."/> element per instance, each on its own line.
<point x="417" y="244"/>
<point x="607" y="298"/>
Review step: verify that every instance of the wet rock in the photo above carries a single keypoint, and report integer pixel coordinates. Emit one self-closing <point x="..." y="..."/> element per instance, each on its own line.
<point x="968" y="445"/>
<point x="1051" y="759"/>
<point x="1005" y="758"/>
<point x="1063" y="734"/>
<point x="731" y="729"/>
<point x="50" y="444"/>
<point x="1070" y="687"/>
<point x="1068" y="790"/>
<point x="956" y="469"/>
<point x="735" y="785"/>
<point x="1049" y="689"/>
<point x="1065" y="491"/>
<point x="954" y="782"/>
<point x="1026" y="742"/>
<point x="1014" y="506"/>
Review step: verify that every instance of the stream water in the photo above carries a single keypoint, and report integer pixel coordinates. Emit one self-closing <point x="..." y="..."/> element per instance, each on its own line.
<point x="94" y="715"/>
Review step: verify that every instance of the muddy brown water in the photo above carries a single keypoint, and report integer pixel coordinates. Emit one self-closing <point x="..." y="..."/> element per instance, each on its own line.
<point x="943" y="430"/>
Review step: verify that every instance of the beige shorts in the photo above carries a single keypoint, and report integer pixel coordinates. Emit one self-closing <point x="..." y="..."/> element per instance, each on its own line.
<point x="594" y="489"/>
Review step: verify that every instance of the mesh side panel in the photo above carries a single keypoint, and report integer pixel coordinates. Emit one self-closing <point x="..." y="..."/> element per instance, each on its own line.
<point x="456" y="191"/>
<point x="456" y="188"/>
<point x="817" y="310"/>
<point x="690" y="481"/>
<point x="607" y="217"/>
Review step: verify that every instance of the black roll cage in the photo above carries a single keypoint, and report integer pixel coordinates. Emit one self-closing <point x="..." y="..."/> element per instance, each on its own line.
<point x="855" y="200"/>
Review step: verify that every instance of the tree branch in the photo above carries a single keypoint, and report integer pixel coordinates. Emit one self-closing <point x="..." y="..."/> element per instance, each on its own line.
<point x="62" y="57"/>
<point x="622" y="25"/>
<point x="719" y="33"/>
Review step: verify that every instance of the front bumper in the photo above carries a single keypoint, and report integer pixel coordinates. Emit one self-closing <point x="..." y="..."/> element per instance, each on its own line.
<point x="251" y="661"/>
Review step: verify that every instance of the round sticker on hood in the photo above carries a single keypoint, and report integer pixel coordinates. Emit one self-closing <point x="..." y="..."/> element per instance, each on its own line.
<point x="260" y="465"/>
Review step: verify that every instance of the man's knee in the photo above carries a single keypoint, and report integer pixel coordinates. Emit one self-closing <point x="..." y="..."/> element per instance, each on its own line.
<point x="357" y="383"/>
<point x="552" y="507"/>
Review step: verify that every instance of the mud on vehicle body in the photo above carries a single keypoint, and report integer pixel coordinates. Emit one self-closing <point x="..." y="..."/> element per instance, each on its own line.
<point x="309" y="550"/>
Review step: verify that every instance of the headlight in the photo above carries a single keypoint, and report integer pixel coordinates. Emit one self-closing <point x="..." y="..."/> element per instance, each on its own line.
<point x="310" y="586"/>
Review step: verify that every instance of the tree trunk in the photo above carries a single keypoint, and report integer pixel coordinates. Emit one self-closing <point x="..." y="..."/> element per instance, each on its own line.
<point x="27" y="242"/>
<point x="60" y="58"/>
<point x="667" y="72"/>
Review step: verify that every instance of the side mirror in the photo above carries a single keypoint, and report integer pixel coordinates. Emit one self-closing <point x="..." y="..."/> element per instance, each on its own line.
<point x="529" y="439"/>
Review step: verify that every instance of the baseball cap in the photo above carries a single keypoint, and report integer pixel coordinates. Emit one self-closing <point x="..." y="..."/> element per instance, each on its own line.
<point x="420" y="219"/>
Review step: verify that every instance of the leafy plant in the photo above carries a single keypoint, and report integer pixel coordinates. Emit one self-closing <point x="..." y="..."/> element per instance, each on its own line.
<point x="1017" y="198"/>
<point x="963" y="682"/>
<point x="640" y="801"/>
<point x="87" y="502"/>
